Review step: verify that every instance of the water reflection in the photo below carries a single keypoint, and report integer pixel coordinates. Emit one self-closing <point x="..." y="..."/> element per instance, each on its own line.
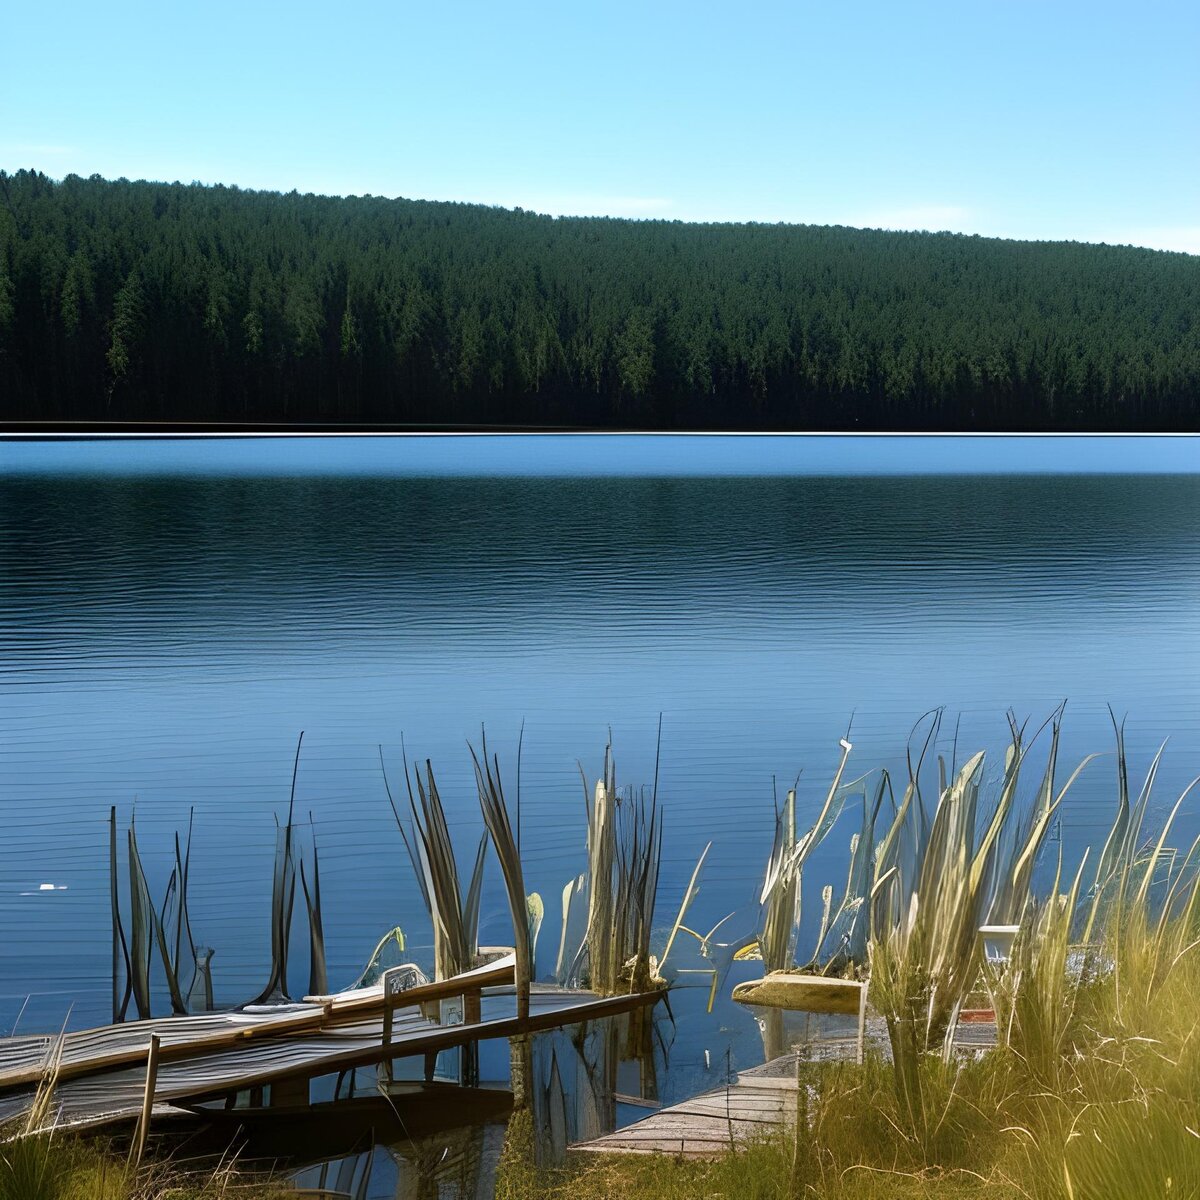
<point x="457" y="1165"/>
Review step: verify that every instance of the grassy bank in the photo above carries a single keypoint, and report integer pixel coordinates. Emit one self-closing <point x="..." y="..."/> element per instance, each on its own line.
<point x="1092" y="1091"/>
<point x="1113" y="1113"/>
<point x="59" y="1166"/>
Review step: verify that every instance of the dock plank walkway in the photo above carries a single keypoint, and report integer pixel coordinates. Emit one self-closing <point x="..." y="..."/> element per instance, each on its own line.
<point x="23" y="1060"/>
<point x="102" y="1077"/>
<point x="753" y="1104"/>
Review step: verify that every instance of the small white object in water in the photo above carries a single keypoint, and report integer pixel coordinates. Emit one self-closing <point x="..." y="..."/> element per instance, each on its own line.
<point x="707" y="1062"/>
<point x="52" y="887"/>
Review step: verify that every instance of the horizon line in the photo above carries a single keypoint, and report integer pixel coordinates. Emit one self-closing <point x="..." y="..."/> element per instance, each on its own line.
<point x="625" y="220"/>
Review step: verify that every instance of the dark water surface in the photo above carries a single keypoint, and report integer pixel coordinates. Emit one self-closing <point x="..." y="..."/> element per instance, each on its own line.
<point x="166" y="639"/>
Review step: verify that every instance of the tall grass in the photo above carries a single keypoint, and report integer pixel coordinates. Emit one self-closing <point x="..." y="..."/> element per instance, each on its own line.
<point x="1034" y="992"/>
<point x="453" y="910"/>
<point x="1094" y="1101"/>
<point x="1091" y="1092"/>
<point x="51" y="1166"/>
<point x="937" y="879"/>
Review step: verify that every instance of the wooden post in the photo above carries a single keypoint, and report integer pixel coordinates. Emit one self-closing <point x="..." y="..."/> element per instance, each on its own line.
<point x="520" y="1048"/>
<point x="862" y="1022"/>
<point x="520" y="1066"/>
<point x="468" y="1063"/>
<point x="473" y="1007"/>
<point x="143" y="1125"/>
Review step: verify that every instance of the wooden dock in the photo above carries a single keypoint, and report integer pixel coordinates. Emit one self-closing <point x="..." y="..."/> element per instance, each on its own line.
<point x="753" y="1104"/>
<point x="101" y="1073"/>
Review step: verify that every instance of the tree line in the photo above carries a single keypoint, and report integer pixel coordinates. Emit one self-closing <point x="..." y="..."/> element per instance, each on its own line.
<point x="149" y="302"/>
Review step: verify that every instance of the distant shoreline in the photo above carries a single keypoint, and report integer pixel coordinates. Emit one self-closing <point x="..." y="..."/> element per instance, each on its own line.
<point x="166" y="303"/>
<point x="602" y="454"/>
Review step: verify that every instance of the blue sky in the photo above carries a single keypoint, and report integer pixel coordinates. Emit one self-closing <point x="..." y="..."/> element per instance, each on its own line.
<point x="1022" y="118"/>
<point x="606" y="454"/>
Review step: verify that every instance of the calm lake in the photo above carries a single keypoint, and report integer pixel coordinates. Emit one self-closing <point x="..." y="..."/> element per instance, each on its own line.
<point x="166" y="637"/>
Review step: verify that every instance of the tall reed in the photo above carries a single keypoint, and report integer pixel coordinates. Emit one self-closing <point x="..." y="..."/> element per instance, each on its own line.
<point x="288" y="865"/>
<point x="454" y="912"/>
<point x="624" y="843"/>
<point x="495" y="817"/>
<point x="165" y="929"/>
<point x="781" y="891"/>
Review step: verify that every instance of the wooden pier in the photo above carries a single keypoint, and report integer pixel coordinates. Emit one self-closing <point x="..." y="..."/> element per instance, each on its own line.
<point x="101" y="1074"/>
<point x="753" y="1104"/>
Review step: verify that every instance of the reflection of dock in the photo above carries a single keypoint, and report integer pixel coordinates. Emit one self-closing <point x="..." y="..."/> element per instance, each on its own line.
<point x="754" y="1104"/>
<point x="102" y="1073"/>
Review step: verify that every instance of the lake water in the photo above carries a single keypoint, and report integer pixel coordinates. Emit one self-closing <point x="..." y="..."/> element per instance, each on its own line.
<point x="166" y="638"/>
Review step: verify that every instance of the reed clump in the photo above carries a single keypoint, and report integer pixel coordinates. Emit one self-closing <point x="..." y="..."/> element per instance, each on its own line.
<point x="1092" y="1091"/>
<point x="1105" y="1107"/>
<point x="608" y="911"/>
<point x="453" y="910"/>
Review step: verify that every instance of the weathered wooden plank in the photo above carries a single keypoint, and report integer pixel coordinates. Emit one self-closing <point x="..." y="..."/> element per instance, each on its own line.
<point x="224" y="1066"/>
<point x="111" y="1047"/>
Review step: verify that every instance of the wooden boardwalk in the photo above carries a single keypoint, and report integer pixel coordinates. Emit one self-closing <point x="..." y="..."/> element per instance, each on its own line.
<point x="752" y="1105"/>
<point x="101" y="1075"/>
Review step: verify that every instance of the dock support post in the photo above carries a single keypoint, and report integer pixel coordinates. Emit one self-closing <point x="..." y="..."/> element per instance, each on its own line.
<point x="468" y="1063"/>
<point x="143" y="1126"/>
<point x="862" y="1023"/>
<point x="520" y="1061"/>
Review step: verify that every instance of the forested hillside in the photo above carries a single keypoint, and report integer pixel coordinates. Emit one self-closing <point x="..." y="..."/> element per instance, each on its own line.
<point x="146" y="302"/>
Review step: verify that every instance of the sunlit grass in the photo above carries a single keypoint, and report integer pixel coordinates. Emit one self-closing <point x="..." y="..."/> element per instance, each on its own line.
<point x="1093" y="1089"/>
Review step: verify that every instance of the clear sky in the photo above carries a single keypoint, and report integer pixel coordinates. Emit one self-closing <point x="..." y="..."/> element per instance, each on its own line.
<point x="1017" y="118"/>
<point x="606" y="454"/>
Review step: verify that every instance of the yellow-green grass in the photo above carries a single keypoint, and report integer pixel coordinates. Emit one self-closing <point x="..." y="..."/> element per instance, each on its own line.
<point x="61" y="1167"/>
<point x="1102" y="1104"/>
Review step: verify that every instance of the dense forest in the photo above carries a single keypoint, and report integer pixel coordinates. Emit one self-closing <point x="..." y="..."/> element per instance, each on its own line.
<point x="150" y="302"/>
